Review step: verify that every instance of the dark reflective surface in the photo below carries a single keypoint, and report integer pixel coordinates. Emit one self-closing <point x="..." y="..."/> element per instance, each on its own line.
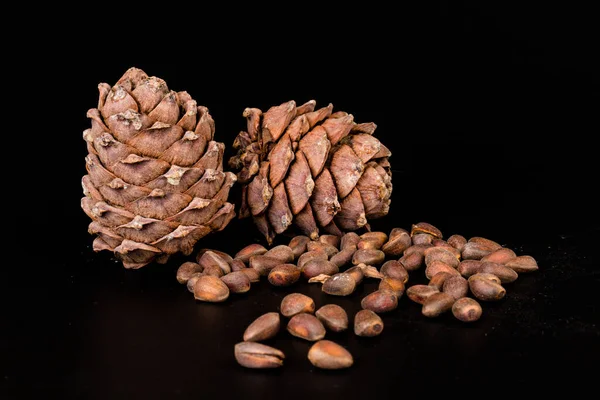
<point x="97" y="330"/>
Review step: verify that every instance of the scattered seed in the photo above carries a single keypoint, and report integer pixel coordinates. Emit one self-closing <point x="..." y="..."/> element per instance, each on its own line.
<point x="326" y="354"/>
<point x="296" y="303"/>
<point x="367" y="324"/>
<point x="257" y="355"/>
<point x="262" y="328"/>
<point x="333" y="317"/>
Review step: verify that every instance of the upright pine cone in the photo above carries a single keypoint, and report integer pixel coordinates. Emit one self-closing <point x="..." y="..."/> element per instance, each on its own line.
<point x="314" y="168"/>
<point x="155" y="182"/>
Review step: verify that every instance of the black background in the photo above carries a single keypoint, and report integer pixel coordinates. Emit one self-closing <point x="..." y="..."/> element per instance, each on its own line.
<point x="490" y="112"/>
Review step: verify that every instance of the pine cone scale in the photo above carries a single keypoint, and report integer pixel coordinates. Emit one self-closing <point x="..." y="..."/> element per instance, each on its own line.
<point x="118" y="100"/>
<point x="314" y="117"/>
<point x="279" y="213"/>
<point x="138" y="171"/>
<point x="305" y="220"/>
<point x="197" y="182"/>
<point x="325" y="201"/>
<point x="338" y="128"/>
<point x="167" y="111"/>
<point x="373" y="191"/>
<point x="346" y="169"/>
<point x="276" y="119"/>
<point x="299" y="183"/>
<point x="135" y="255"/>
<point x="154" y="141"/>
<point x="124" y="126"/>
<point x="298" y="128"/>
<point x="121" y="194"/>
<point x="352" y="212"/>
<point x="148" y="91"/>
<point x="144" y="230"/>
<point x="315" y="146"/>
<point x="280" y="159"/>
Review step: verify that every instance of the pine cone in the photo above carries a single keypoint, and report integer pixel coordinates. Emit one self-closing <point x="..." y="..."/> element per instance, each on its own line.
<point x="316" y="169"/>
<point x="155" y="182"/>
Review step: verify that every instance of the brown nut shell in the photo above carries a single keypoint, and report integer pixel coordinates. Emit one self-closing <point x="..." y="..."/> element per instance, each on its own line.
<point x="368" y="256"/>
<point x="186" y="270"/>
<point x="522" y="264"/>
<point x="284" y="275"/>
<point x="393" y="284"/>
<point x="456" y="286"/>
<point x="380" y="301"/>
<point x="340" y="284"/>
<point x="500" y="256"/>
<point x="504" y="273"/>
<point x="372" y="240"/>
<point x="253" y="249"/>
<point x="192" y="281"/>
<point x="367" y="324"/>
<point x="342" y="258"/>
<point x="306" y="326"/>
<point x="422" y="238"/>
<point x="298" y="245"/>
<point x="324" y="247"/>
<point x="394" y="269"/>
<point x="349" y="240"/>
<point x="237" y="282"/>
<point x="437" y="266"/>
<point x="326" y="354"/>
<point x="264" y="264"/>
<point x="220" y="253"/>
<point x="252" y="274"/>
<point x="457" y="241"/>
<point x="212" y="258"/>
<point x="318" y="267"/>
<point x="262" y="328"/>
<point x="211" y="289"/>
<point x="417" y="248"/>
<point x="357" y="273"/>
<point x="282" y="253"/>
<point x="258" y="355"/>
<point x="213" y="270"/>
<point x="333" y="317"/>
<point x="424" y="227"/>
<point x="469" y="267"/>
<point x="467" y="309"/>
<point x="437" y="280"/>
<point x="437" y="253"/>
<point x="420" y="293"/>
<point x="399" y="240"/>
<point x="296" y="303"/>
<point x="311" y="255"/>
<point x="489" y="277"/>
<point x="237" y="265"/>
<point x="412" y="261"/>
<point x="477" y="248"/>
<point x="437" y="304"/>
<point x="492" y="245"/>
<point x="332" y="240"/>
<point x="485" y="289"/>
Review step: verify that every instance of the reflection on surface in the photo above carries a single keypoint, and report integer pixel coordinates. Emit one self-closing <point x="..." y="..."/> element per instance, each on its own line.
<point x="142" y="332"/>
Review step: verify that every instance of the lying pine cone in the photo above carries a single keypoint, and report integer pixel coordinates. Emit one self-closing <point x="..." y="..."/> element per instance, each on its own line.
<point x="155" y="182"/>
<point x="313" y="168"/>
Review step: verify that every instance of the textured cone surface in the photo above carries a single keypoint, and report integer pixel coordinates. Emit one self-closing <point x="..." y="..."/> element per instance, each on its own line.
<point x="312" y="169"/>
<point x="155" y="182"/>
